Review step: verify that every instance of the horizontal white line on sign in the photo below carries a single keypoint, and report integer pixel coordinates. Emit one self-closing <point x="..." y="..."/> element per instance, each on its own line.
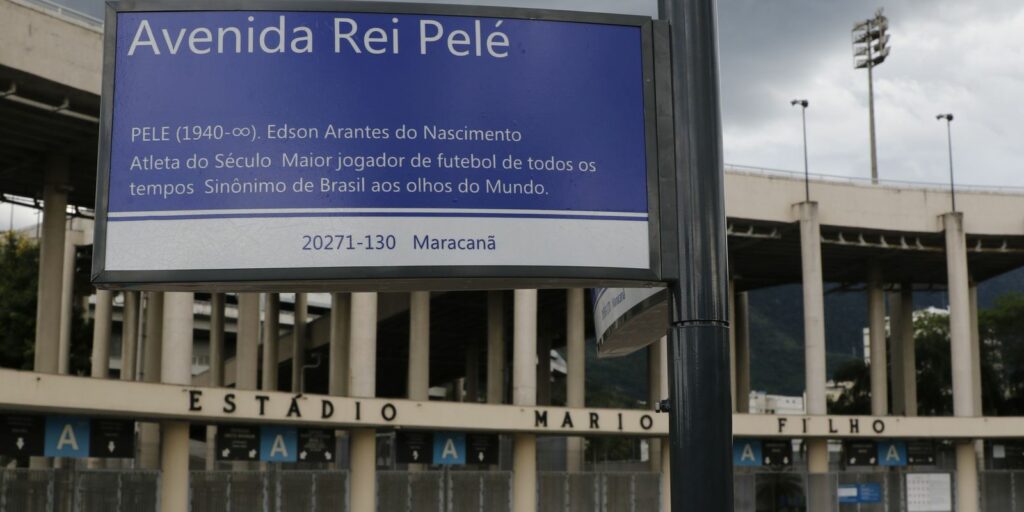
<point x="175" y="213"/>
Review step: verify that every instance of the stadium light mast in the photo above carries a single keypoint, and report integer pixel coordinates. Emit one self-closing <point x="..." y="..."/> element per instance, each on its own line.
<point x="807" y="173"/>
<point x="871" y="48"/>
<point x="948" y="118"/>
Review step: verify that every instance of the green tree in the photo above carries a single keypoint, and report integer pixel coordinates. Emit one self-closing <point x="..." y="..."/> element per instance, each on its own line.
<point x="19" y="264"/>
<point x="19" y="278"/>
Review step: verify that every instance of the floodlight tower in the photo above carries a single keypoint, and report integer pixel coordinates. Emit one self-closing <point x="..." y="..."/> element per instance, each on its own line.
<point x="870" y="48"/>
<point x="948" y="118"/>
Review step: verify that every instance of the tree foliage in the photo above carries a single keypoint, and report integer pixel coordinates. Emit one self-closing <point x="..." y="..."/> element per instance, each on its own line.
<point x="19" y="284"/>
<point x="1001" y="331"/>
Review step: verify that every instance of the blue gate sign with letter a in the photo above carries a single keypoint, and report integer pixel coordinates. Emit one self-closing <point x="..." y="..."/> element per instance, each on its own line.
<point x="278" y="444"/>
<point x="67" y="436"/>
<point x="892" y="453"/>
<point x="450" y="448"/>
<point x="746" y="452"/>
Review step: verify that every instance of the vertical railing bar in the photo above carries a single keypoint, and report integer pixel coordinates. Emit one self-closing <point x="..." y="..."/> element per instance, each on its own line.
<point x="227" y="497"/>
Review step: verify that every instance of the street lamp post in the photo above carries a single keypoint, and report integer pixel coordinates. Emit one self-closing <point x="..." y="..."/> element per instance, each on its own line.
<point x="871" y="48"/>
<point x="949" y="140"/>
<point x="807" y="173"/>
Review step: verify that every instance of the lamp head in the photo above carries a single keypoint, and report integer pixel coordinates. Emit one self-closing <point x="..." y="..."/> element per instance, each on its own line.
<point x="802" y="103"/>
<point x="944" y="117"/>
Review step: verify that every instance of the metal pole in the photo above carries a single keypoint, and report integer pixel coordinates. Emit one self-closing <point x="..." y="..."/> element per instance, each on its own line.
<point x="949" y="139"/>
<point x="807" y="172"/>
<point x="700" y="416"/>
<point x="871" y="110"/>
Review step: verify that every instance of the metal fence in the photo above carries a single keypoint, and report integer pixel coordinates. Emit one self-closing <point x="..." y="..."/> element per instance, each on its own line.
<point x="57" y="490"/>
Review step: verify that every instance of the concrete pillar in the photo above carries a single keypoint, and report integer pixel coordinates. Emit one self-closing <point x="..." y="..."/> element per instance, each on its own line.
<point x="216" y="370"/>
<point x="338" y="363"/>
<point x="100" y="361"/>
<point x="819" y="493"/>
<point x="576" y="357"/>
<point x="299" y="341"/>
<point x="544" y="369"/>
<point x="176" y="368"/>
<point x="975" y="348"/>
<point x="896" y="371"/>
<point x="876" y="341"/>
<point x="363" y="384"/>
<point x="66" y="300"/>
<point x="473" y="372"/>
<point x="524" y="392"/>
<point x="101" y="334"/>
<point x="742" y="330"/>
<point x="907" y="350"/>
<point x="152" y="351"/>
<point x="961" y="356"/>
<point x="271" y="333"/>
<point x="341" y="309"/>
<point x="51" y="265"/>
<point x="247" y="345"/>
<point x="129" y="334"/>
<point x="418" y="382"/>
<point x="495" y="347"/>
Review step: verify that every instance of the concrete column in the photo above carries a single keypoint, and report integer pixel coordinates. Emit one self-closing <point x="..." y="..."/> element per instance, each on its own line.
<point x="66" y="299"/>
<point x="153" y="348"/>
<point x="337" y="371"/>
<point x="216" y="370"/>
<point x="271" y="332"/>
<point x="576" y="357"/>
<point x="819" y="494"/>
<point x="544" y="369"/>
<point x="176" y="368"/>
<point x="961" y="356"/>
<point x="363" y="383"/>
<point x="742" y="330"/>
<point x="959" y="317"/>
<point x="524" y="392"/>
<point x="100" y="362"/>
<point x="247" y="345"/>
<point x="876" y="336"/>
<point x="495" y="347"/>
<point x="418" y="382"/>
<point x="975" y="348"/>
<point x="152" y="351"/>
<point x="129" y="334"/>
<point x="299" y="341"/>
<point x="51" y="265"/>
<point x="101" y="334"/>
<point x="473" y="372"/>
<point x="907" y="350"/>
<point x="341" y="309"/>
<point x="896" y="371"/>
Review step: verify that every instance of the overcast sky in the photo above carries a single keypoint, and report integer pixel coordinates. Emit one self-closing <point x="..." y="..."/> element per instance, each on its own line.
<point x="964" y="57"/>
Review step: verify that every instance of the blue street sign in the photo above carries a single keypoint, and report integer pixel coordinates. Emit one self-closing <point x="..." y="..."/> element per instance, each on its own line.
<point x="66" y="436"/>
<point x="746" y="452"/>
<point x="450" y="448"/>
<point x="869" y="493"/>
<point x="278" y="444"/>
<point x="860" y="493"/>
<point x="892" y="453"/>
<point x="436" y="150"/>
